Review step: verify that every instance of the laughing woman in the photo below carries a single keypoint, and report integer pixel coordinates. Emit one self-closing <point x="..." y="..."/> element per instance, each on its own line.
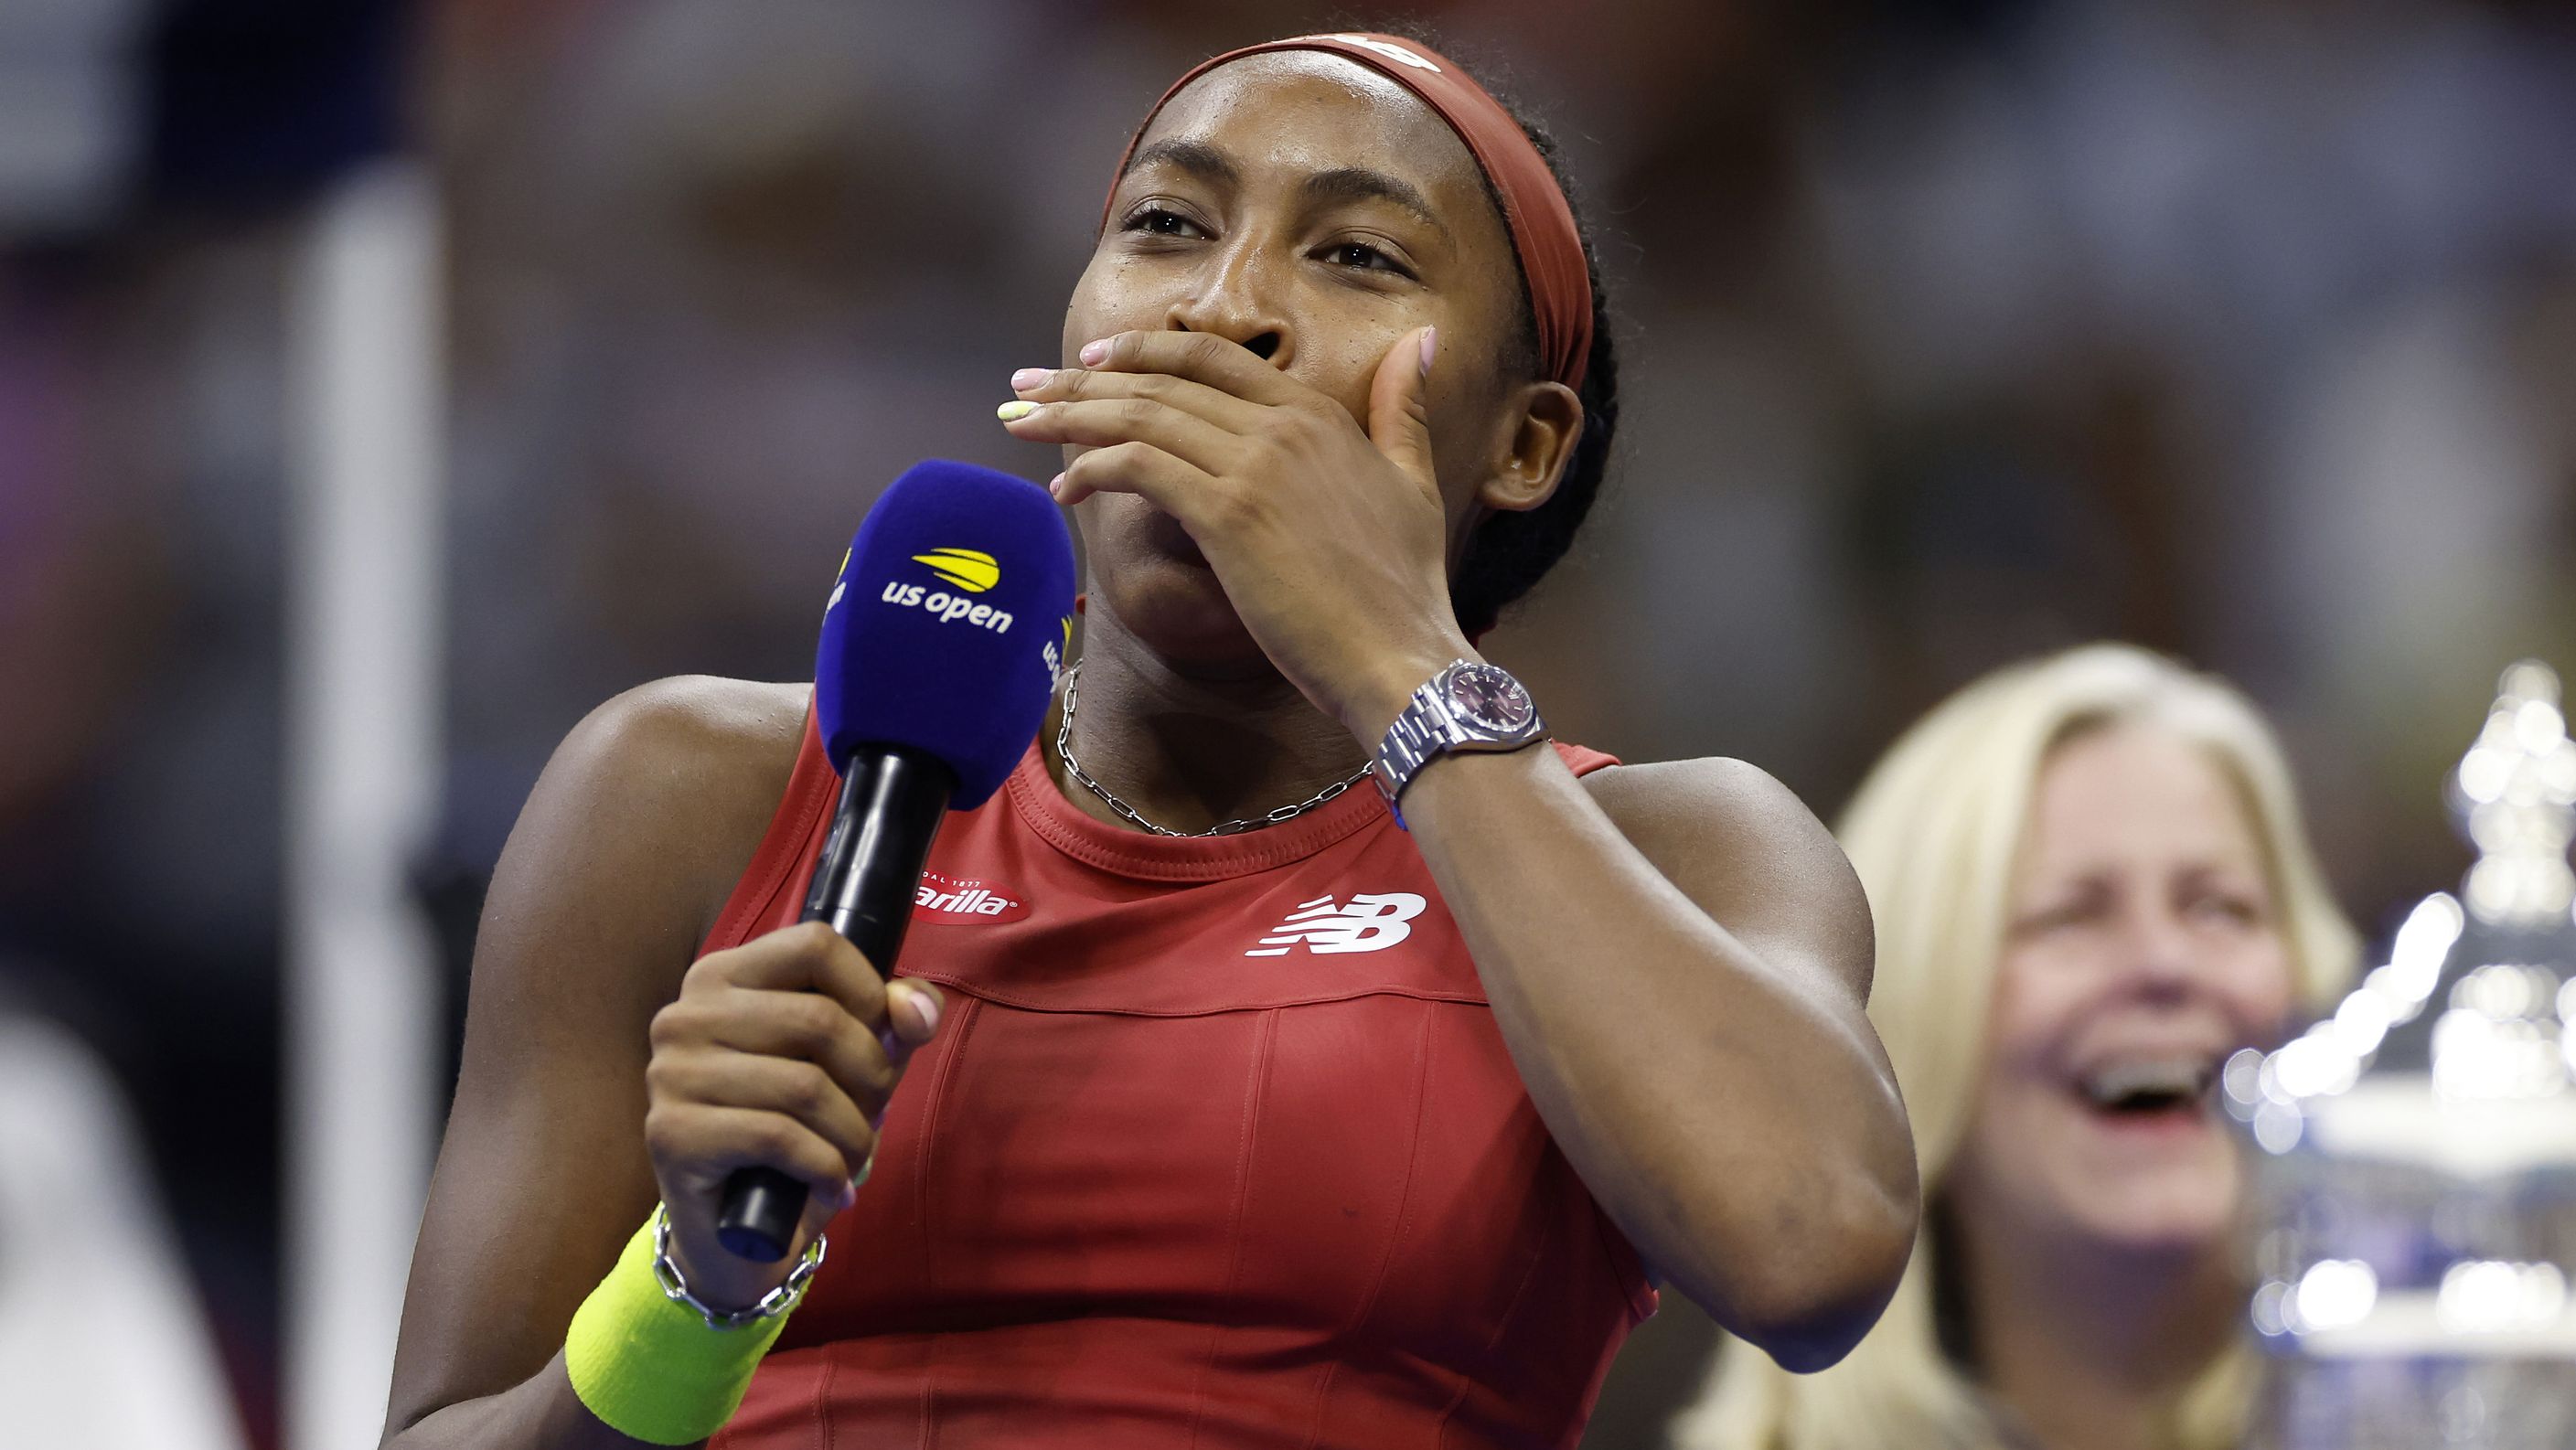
<point x="1260" y="1115"/>
<point x="2092" y="887"/>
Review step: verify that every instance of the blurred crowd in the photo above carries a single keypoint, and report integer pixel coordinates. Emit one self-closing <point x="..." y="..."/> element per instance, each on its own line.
<point x="2243" y="329"/>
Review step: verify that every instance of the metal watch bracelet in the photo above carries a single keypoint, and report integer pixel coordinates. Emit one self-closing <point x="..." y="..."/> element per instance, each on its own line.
<point x="1433" y="723"/>
<point x="1409" y="743"/>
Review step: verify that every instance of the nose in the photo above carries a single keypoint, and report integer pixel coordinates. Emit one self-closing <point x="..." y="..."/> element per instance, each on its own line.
<point x="1235" y="298"/>
<point x="2161" y="962"/>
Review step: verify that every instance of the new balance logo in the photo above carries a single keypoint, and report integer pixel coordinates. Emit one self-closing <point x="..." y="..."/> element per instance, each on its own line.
<point x="1372" y="922"/>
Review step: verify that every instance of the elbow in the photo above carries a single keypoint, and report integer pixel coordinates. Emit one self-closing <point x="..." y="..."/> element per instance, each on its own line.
<point x="399" y="1424"/>
<point x="1820" y="1289"/>
<point x="406" y="1417"/>
<point x="1812" y="1324"/>
<point x="1813" y="1338"/>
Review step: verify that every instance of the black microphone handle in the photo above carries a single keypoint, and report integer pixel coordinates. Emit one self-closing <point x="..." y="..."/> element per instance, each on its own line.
<point x="892" y="801"/>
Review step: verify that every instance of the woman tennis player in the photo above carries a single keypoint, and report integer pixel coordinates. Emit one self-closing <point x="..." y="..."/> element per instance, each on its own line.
<point x="1235" y="1108"/>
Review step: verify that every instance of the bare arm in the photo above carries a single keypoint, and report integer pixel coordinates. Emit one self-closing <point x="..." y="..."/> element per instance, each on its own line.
<point x="1679" y="957"/>
<point x="623" y="855"/>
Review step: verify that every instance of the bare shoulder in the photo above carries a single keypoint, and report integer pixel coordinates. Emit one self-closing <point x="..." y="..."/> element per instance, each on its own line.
<point x="690" y="738"/>
<point x="1747" y="850"/>
<point x="641" y="822"/>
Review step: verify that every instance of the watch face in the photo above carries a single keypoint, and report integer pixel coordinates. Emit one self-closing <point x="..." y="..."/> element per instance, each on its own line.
<point x="1490" y="699"/>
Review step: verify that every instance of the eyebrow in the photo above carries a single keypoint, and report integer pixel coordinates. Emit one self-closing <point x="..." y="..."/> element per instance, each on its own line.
<point x="1341" y="184"/>
<point x="1195" y="157"/>
<point x="1352" y="183"/>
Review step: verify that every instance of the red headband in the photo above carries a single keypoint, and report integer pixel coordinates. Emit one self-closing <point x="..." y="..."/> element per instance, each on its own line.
<point x="1534" y="206"/>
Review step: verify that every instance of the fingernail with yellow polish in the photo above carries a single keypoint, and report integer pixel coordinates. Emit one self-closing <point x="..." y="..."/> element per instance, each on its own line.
<point x="1014" y="410"/>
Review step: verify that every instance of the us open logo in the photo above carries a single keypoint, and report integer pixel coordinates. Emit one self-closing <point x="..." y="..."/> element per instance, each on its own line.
<point x="968" y="571"/>
<point x="1054" y="655"/>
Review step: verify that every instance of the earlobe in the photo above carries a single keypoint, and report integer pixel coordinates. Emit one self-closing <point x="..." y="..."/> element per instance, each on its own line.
<point x="1538" y="451"/>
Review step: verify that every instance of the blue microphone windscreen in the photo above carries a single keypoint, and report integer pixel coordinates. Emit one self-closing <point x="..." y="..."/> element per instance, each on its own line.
<point x="949" y="625"/>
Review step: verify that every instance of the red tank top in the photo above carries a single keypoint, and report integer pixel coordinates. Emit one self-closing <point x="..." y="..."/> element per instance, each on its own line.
<point x="1218" y="1146"/>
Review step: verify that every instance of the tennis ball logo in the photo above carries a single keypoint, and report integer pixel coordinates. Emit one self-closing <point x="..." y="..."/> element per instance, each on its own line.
<point x="972" y="570"/>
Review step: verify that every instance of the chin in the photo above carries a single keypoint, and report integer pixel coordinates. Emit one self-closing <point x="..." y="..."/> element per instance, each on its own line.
<point x="2166" y="1179"/>
<point x="1150" y="576"/>
<point x="2175" y="1207"/>
<point x="1182" y="614"/>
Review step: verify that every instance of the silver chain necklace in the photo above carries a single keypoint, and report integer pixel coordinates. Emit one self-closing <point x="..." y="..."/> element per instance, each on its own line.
<point x="1064" y="751"/>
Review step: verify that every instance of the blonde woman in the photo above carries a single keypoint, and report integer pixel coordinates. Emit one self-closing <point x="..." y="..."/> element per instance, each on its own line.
<point x="2091" y="886"/>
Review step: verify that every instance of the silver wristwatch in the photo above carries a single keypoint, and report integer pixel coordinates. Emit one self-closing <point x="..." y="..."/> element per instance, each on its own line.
<point x="1467" y="706"/>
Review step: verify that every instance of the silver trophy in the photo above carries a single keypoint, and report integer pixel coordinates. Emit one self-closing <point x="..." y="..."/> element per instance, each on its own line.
<point x="2415" y="1182"/>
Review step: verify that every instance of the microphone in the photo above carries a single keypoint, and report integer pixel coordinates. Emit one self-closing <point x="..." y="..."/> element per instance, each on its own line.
<point x="941" y="648"/>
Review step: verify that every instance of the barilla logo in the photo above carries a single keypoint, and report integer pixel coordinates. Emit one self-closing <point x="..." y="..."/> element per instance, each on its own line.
<point x="970" y="571"/>
<point x="951" y="898"/>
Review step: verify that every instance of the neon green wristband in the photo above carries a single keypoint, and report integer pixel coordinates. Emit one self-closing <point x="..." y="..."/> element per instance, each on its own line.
<point x="654" y="1369"/>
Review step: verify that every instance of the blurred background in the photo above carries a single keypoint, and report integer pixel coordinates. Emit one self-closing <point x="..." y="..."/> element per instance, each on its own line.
<point x="1954" y="331"/>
